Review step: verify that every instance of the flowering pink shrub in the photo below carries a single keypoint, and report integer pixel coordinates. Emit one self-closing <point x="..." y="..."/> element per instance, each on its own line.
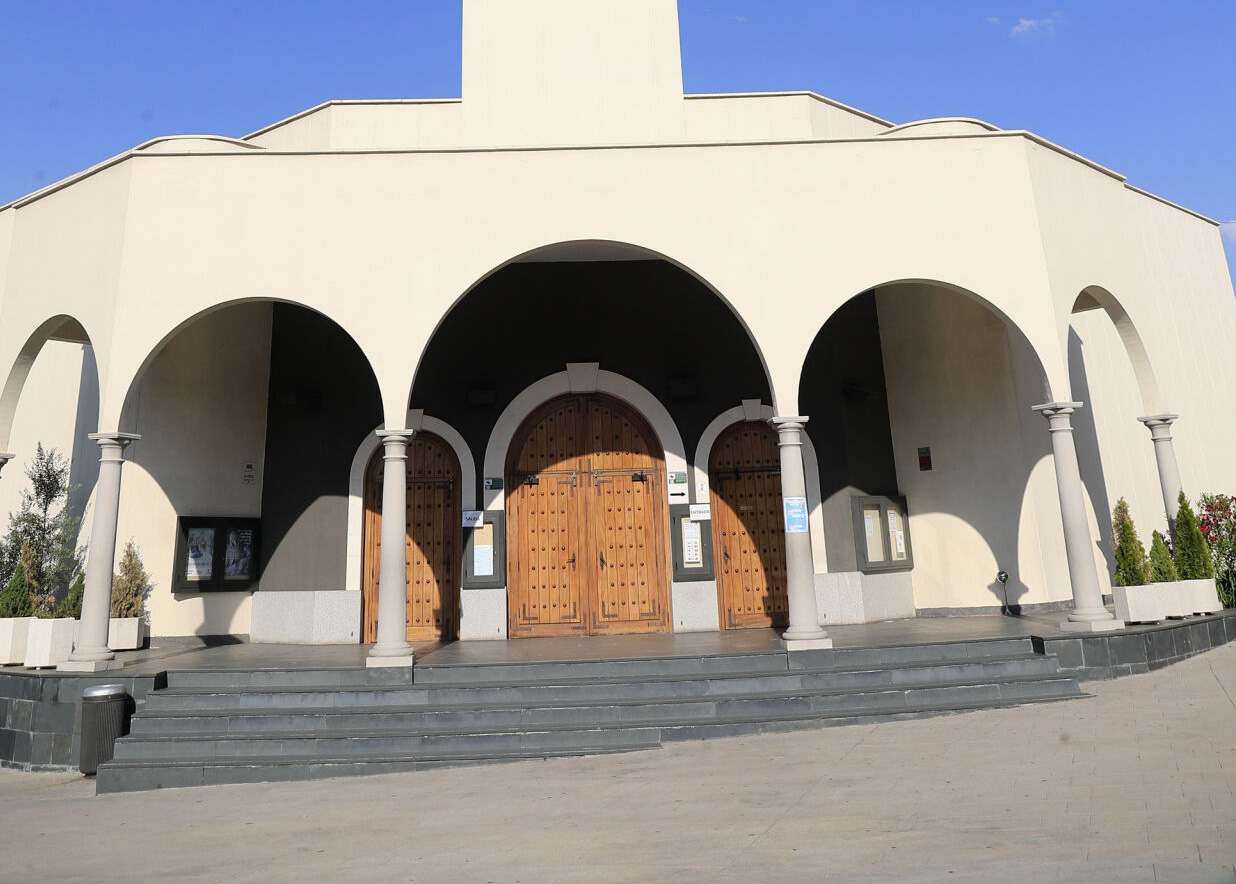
<point x="1216" y="517"/>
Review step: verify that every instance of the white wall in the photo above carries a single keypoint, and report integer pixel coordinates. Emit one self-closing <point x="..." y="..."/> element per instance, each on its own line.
<point x="958" y="384"/>
<point x="201" y="411"/>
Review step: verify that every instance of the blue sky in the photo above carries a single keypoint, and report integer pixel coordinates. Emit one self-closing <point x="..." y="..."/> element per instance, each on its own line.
<point x="1143" y="88"/>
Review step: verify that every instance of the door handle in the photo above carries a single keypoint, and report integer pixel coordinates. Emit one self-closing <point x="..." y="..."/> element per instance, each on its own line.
<point x="601" y="556"/>
<point x="571" y="561"/>
<point x="725" y="553"/>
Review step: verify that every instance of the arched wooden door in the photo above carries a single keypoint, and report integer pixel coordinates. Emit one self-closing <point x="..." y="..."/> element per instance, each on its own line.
<point x="586" y="516"/>
<point x="744" y="472"/>
<point x="433" y="541"/>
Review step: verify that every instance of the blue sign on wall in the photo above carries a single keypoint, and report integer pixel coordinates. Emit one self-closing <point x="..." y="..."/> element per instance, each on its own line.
<point x="795" y="515"/>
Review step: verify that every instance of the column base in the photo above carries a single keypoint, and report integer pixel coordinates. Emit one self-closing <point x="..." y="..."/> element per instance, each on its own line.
<point x="807" y="644"/>
<point x="383" y="662"/>
<point x="1091" y="625"/>
<point x="92" y="655"/>
<point x="88" y="665"/>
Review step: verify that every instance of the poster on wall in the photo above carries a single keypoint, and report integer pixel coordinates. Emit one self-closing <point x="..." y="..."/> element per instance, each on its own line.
<point x="201" y="554"/>
<point x="216" y="552"/>
<point x="238" y="556"/>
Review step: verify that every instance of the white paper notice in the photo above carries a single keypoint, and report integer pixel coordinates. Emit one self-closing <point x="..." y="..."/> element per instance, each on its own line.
<point x="701" y="512"/>
<point x="900" y="539"/>
<point x="483" y="560"/>
<point x="473" y="518"/>
<point x="692" y="547"/>
<point x="869" y="524"/>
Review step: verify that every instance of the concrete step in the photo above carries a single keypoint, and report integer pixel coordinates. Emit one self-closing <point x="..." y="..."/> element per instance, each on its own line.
<point x="138" y="776"/>
<point x="207" y="736"/>
<point x="591" y="670"/>
<point x="365" y="744"/>
<point x="231" y="726"/>
<point x="531" y="693"/>
<point x="354" y="676"/>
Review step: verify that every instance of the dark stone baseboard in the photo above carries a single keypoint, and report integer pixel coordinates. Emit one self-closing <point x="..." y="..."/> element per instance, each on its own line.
<point x="40" y="717"/>
<point x="1135" y="649"/>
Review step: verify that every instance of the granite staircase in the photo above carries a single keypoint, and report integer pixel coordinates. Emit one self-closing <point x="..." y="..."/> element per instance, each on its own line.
<point x="232" y="726"/>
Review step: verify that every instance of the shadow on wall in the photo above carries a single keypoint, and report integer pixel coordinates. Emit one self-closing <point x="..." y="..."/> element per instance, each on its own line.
<point x="962" y="380"/>
<point x="84" y="466"/>
<point x="1089" y="461"/>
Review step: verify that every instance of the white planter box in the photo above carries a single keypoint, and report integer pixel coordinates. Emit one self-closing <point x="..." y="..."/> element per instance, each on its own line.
<point x="123" y="633"/>
<point x="1146" y="604"/>
<point x="1197" y="597"/>
<point x="49" y="642"/>
<point x="126" y="633"/>
<point x="13" y="633"/>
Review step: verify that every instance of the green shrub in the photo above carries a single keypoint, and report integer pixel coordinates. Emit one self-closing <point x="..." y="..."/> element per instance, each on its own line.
<point x="1192" y="554"/>
<point x="131" y="584"/>
<point x="1162" y="568"/>
<point x="71" y="606"/>
<point x="1130" y="554"/>
<point x="15" y="599"/>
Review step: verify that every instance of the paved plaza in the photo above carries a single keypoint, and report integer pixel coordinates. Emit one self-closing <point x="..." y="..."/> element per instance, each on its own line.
<point x="1132" y="784"/>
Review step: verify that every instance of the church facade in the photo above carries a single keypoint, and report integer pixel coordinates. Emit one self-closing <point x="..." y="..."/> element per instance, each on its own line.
<point x="578" y="354"/>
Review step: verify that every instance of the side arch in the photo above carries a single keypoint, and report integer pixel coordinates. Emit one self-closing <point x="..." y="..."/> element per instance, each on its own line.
<point x="61" y="327"/>
<point x="1096" y="297"/>
<point x="419" y="421"/>
<point x="753" y="410"/>
<point x="579" y="378"/>
<point x="116" y="409"/>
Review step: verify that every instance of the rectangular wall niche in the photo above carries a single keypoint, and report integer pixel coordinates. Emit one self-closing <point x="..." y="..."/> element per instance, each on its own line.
<point x="882" y="534"/>
<point x="216" y="553"/>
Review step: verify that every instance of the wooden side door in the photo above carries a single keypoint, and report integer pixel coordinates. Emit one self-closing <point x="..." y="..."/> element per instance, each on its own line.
<point x="433" y="540"/>
<point x="627" y="521"/>
<point x="546" y="538"/>
<point x="744" y="472"/>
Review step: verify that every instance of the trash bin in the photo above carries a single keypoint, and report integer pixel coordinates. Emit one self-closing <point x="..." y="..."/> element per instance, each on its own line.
<point x="105" y="717"/>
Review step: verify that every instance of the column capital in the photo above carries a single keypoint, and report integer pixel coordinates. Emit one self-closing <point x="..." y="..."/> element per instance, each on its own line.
<point x="1051" y="409"/>
<point x="121" y="439"/>
<point x="5" y="457"/>
<point x="395" y="437"/>
<point x="788" y="422"/>
<point x="1154" y="421"/>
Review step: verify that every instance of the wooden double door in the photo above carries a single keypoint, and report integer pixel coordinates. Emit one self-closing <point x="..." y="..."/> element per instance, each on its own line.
<point x="586" y="516"/>
<point x="432" y="543"/>
<point x="744" y="472"/>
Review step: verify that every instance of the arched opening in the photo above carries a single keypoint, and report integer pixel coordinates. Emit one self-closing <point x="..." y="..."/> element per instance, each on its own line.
<point x="920" y="396"/>
<point x="1110" y="371"/>
<point x="748" y="524"/>
<point x="433" y="540"/>
<point x="634" y="312"/>
<point x="586" y="515"/>
<point x="254" y="409"/>
<point x="51" y="398"/>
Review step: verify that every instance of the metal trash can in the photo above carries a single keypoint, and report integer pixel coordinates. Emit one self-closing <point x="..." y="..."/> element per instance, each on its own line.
<point x="105" y="717"/>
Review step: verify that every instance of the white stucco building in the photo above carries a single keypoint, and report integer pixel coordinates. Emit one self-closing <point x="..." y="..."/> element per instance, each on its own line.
<point x="691" y="362"/>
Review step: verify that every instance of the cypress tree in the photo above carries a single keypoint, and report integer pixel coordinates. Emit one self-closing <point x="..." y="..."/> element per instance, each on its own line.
<point x="1193" y="560"/>
<point x="15" y="600"/>
<point x="1162" y="568"/>
<point x="130" y="585"/>
<point x="71" y="606"/>
<point x="1130" y="554"/>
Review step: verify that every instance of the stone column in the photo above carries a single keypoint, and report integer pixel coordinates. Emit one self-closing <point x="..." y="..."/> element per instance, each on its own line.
<point x="804" y="632"/>
<point x="1160" y="426"/>
<point x="392" y="648"/>
<point x="1088" y="614"/>
<point x="91" y="653"/>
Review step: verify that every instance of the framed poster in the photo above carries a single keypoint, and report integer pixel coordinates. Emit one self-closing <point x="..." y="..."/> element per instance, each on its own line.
<point x="216" y="553"/>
